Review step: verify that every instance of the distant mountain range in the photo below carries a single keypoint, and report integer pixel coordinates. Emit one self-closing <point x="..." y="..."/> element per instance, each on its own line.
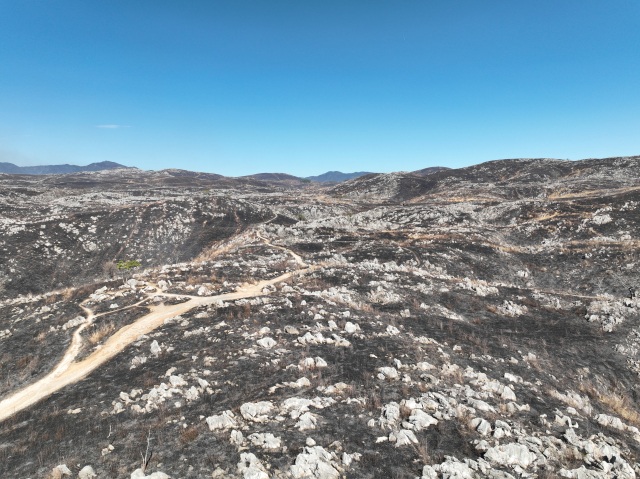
<point x="57" y="169"/>
<point x="281" y="178"/>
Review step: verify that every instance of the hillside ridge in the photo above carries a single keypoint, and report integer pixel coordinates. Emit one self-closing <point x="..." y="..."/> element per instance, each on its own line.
<point x="474" y="322"/>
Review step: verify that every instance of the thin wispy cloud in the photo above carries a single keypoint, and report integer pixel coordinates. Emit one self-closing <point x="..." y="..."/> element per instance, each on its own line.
<point x="112" y="126"/>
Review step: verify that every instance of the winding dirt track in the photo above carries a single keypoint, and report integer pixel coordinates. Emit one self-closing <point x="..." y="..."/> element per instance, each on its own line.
<point x="69" y="372"/>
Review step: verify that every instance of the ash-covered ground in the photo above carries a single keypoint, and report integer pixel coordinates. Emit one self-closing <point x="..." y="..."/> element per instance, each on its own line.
<point x="480" y="322"/>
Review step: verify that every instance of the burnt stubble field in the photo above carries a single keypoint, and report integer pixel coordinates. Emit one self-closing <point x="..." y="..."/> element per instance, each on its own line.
<point x="478" y="322"/>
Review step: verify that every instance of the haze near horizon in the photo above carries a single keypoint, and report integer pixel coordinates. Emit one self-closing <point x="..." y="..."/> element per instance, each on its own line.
<point x="307" y="87"/>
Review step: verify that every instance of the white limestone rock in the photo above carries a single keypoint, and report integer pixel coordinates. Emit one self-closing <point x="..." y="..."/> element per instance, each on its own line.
<point x="291" y="330"/>
<point x="584" y="473"/>
<point x="315" y="462"/>
<point x="62" y="469"/>
<point x="177" y="381"/>
<point x="295" y="406"/>
<point x="392" y="330"/>
<point x="107" y="450"/>
<point x="481" y="425"/>
<point x="421" y="420"/>
<point x="388" y="372"/>
<point x="424" y="366"/>
<point x="508" y="394"/>
<point x="347" y="459"/>
<point x="480" y="405"/>
<point x="390" y="416"/>
<point x="610" y="421"/>
<point x="87" y="472"/>
<point x="139" y="474"/>
<point x="403" y="437"/>
<point x="256" y="411"/>
<point x="300" y="383"/>
<point x="449" y="469"/>
<point x="251" y="468"/>
<point x="155" y="348"/>
<point x="265" y="441"/>
<point x="351" y="328"/>
<point x="236" y="438"/>
<point x="267" y="342"/>
<point x="320" y="363"/>
<point x="307" y="421"/>
<point x="512" y="454"/>
<point x="509" y="308"/>
<point x="226" y="420"/>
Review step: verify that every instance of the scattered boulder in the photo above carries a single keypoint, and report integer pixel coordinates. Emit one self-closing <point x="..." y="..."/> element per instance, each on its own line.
<point x="251" y="468"/>
<point x="59" y="471"/>
<point x="403" y="437"/>
<point x="226" y="420"/>
<point x="139" y="474"/>
<point x="512" y="454"/>
<point x="388" y="372"/>
<point x="155" y="348"/>
<point x="267" y="342"/>
<point x="481" y="425"/>
<point x="315" y="462"/>
<point x="265" y="441"/>
<point x="421" y="420"/>
<point x="87" y="472"/>
<point x="256" y="411"/>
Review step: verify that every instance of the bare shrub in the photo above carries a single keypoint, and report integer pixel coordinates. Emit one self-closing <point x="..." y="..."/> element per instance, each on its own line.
<point x="99" y="333"/>
<point x="422" y="451"/>
<point x="110" y="269"/>
<point x="373" y="402"/>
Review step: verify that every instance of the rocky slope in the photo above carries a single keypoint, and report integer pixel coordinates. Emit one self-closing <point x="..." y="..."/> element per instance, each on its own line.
<point x="337" y="176"/>
<point x="470" y="323"/>
<point x="499" y="180"/>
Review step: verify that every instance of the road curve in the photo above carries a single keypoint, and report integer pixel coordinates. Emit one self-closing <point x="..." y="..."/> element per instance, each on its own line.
<point x="69" y="372"/>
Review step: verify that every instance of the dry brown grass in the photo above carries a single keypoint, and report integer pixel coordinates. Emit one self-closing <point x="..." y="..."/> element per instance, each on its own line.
<point x="580" y="246"/>
<point x="373" y="402"/>
<point x="564" y="194"/>
<point x="623" y="407"/>
<point x="405" y="412"/>
<point x="55" y="474"/>
<point x="546" y="216"/>
<point x="194" y="280"/>
<point x="423" y="451"/>
<point x="27" y="362"/>
<point x="435" y="237"/>
<point x="221" y="248"/>
<point x="52" y="298"/>
<point x="454" y="199"/>
<point x="98" y="334"/>
<point x="618" y="402"/>
<point x="572" y="455"/>
<point x="189" y="434"/>
<point x="67" y="294"/>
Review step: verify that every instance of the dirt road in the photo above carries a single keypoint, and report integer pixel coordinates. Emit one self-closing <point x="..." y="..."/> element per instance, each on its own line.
<point x="69" y="372"/>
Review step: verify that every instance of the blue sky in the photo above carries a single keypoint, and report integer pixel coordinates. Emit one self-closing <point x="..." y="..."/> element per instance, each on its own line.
<point x="302" y="87"/>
